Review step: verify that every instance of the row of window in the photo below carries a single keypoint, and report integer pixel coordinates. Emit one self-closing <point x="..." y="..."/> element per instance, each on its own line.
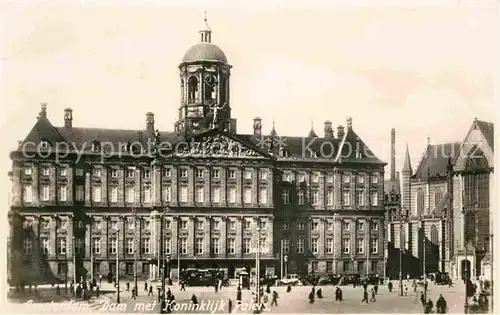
<point x="167" y="172"/>
<point x="216" y="173"/>
<point x="146" y="243"/>
<point x="329" y="226"/>
<point x="329" y="246"/>
<point x="347" y="266"/>
<point x="199" y="245"/>
<point x="301" y="177"/>
<point x="130" y="196"/>
<point x="315" y="197"/>
<point x="130" y="224"/>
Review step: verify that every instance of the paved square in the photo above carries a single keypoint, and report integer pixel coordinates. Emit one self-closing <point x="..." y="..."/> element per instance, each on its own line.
<point x="293" y="302"/>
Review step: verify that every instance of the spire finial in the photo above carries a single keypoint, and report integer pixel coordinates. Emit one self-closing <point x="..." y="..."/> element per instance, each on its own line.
<point x="206" y="32"/>
<point x="428" y="141"/>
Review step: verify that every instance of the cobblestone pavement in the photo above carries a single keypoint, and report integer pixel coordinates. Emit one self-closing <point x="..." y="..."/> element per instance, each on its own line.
<point x="293" y="302"/>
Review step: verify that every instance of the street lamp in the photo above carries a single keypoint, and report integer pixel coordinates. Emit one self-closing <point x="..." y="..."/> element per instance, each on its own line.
<point x="286" y="260"/>
<point x="257" y="273"/>
<point x="466" y="212"/>
<point x="423" y="256"/>
<point x="403" y="218"/>
<point x="117" y="268"/>
<point x="74" y="260"/>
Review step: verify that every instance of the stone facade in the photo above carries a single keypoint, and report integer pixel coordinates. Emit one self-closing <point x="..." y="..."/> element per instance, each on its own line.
<point x="204" y="193"/>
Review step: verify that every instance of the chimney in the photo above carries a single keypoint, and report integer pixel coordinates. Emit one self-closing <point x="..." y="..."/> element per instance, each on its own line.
<point x="393" y="154"/>
<point x="340" y="132"/>
<point x="150" y="122"/>
<point x="328" y="129"/>
<point x="257" y="126"/>
<point x="68" y="118"/>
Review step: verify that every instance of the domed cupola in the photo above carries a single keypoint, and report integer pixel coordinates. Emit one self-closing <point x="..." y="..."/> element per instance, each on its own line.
<point x="205" y="50"/>
<point x="204" y="74"/>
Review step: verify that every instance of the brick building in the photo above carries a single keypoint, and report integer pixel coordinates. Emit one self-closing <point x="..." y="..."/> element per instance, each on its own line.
<point x="202" y="195"/>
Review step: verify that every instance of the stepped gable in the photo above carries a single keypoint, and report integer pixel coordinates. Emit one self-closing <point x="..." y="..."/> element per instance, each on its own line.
<point x="434" y="163"/>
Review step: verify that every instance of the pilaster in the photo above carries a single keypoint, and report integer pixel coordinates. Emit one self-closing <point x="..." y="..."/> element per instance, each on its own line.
<point x="36" y="185"/>
<point x="88" y="239"/>
<point x="223" y="237"/>
<point x="156" y="187"/>
<point x="270" y="236"/>
<point x="17" y="185"/>
<point x="137" y="188"/>
<point x="190" y="237"/>
<point x="207" y="236"/>
<point x="88" y="188"/>
<point x="53" y="235"/>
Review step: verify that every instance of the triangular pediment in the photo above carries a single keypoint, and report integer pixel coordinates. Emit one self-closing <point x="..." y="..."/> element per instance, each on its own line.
<point x="217" y="144"/>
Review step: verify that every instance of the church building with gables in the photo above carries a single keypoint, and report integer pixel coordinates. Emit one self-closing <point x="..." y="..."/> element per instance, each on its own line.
<point x="199" y="196"/>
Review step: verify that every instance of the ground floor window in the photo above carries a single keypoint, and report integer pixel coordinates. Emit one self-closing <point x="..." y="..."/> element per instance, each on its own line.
<point x="329" y="266"/>
<point x="97" y="268"/>
<point x="374" y="266"/>
<point x="61" y="268"/>
<point x="129" y="268"/>
<point x="315" y="267"/>
<point x="346" y="266"/>
<point x="361" y="266"/>
<point x="145" y="268"/>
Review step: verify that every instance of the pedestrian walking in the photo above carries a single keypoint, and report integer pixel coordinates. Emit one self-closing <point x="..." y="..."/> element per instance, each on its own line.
<point x="97" y="290"/>
<point x="58" y="290"/>
<point x="389" y="286"/>
<point x="238" y="295"/>
<point x="422" y="299"/>
<point x="194" y="300"/>
<point x="128" y="286"/>
<point x="441" y="305"/>
<point x="375" y="287"/>
<point x="288" y="288"/>
<point x="406" y="290"/>
<point x="183" y="285"/>
<point x="373" y="296"/>
<point x="133" y="293"/>
<point x="274" y="300"/>
<point x="229" y="305"/>
<point x="365" y="296"/>
<point x="150" y="292"/>
<point x="145" y="286"/>
<point x="311" y="297"/>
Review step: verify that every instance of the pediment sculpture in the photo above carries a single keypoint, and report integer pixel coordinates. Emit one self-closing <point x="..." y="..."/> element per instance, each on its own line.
<point x="217" y="145"/>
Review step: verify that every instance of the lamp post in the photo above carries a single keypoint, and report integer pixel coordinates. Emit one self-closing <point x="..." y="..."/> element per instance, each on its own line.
<point x="286" y="265"/>
<point x="117" y="268"/>
<point x="281" y="260"/>
<point x="134" y="211"/>
<point x="74" y="260"/>
<point x="422" y="228"/>
<point x="466" y="212"/>
<point x="257" y="272"/>
<point x="403" y="218"/>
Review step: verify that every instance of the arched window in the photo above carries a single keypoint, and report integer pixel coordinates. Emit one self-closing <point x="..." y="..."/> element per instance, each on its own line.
<point x="223" y="90"/>
<point x="193" y="88"/>
<point x="438" y="195"/>
<point x="420" y="201"/>
<point x="434" y="235"/>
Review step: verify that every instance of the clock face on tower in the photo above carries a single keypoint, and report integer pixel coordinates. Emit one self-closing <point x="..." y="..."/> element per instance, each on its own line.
<point x="210" y="80"/>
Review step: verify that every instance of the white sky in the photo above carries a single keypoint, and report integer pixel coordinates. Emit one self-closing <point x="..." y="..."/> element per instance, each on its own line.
<point x="426" y="71"/>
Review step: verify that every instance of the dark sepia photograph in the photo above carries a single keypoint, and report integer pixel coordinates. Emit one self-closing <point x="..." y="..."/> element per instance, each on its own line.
<point x="252" y="157"/>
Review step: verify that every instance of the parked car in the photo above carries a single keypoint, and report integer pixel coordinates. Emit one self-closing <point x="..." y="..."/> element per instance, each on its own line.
<point x="330" y="280"/>
<point x="292" y="279"/>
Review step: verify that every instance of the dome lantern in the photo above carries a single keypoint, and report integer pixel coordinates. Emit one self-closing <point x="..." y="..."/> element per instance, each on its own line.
<point x="206" y="33"/>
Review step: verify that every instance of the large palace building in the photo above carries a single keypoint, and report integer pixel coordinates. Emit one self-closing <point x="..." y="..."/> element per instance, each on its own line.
<point x="202" y="195"/>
